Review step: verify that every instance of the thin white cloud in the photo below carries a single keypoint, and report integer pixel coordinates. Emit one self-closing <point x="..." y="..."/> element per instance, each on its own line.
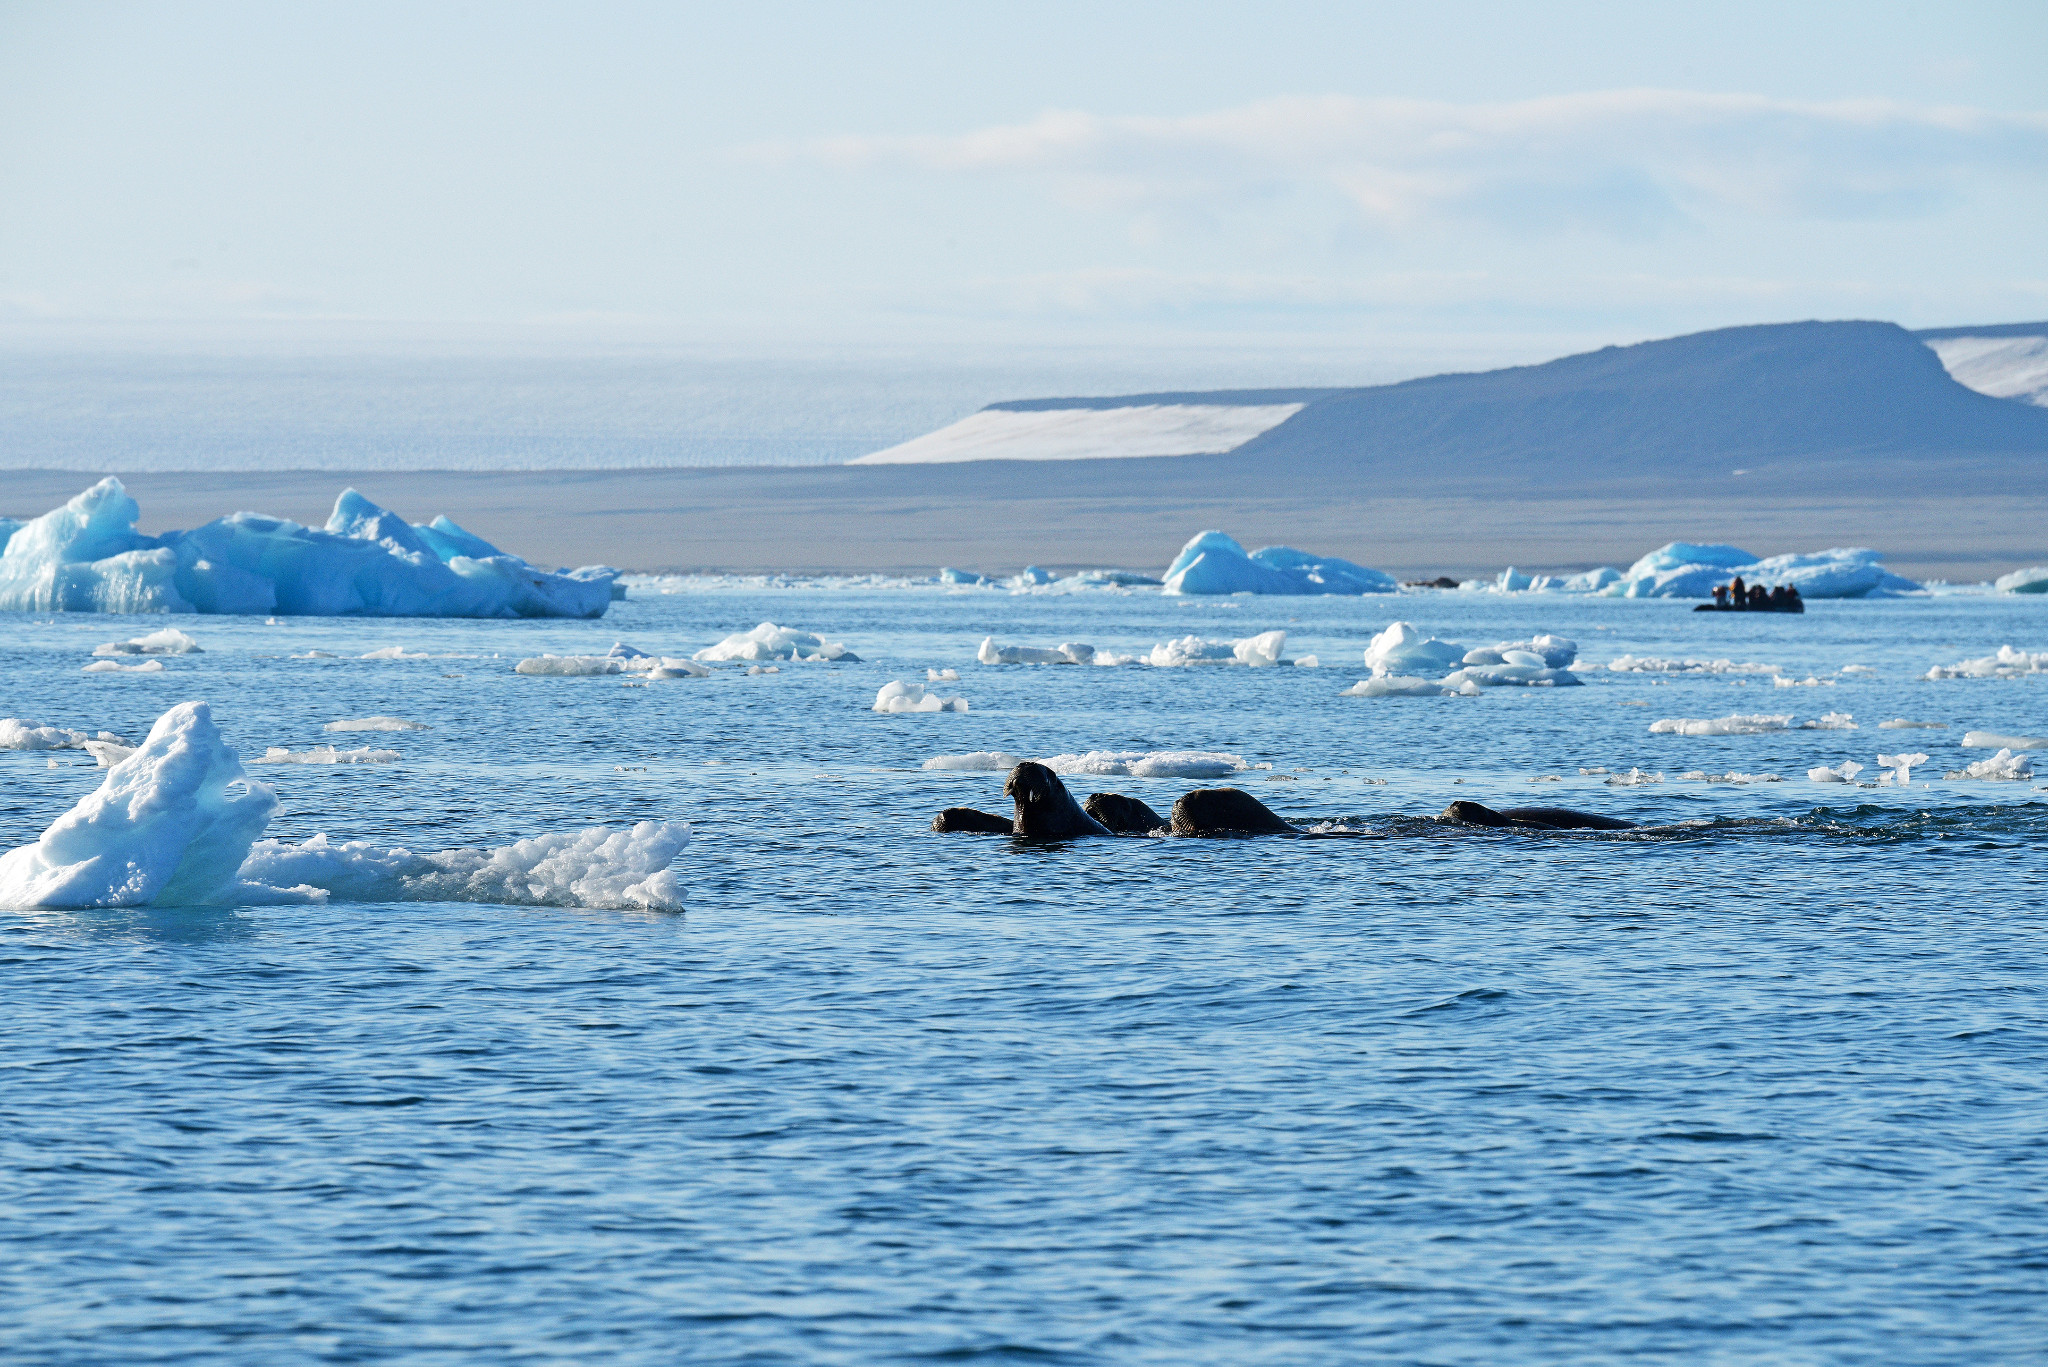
<point x="1625" y="161"/>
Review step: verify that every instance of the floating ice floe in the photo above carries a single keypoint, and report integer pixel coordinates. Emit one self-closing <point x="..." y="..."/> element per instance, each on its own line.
<point x="1065" y="653"/>
<point x="376" y="724"/>
<point x="315" y="655"/>
<point x="1149" y="764"/>
<point x="1260" y="651"/>
<point x="1403" y="648"/>
<point x="1845" y="772"/>
<point x="1634" y="778"/>
<point x="1401" y="652"/>
<point x="898" y="696"/>
<point x="178" y="822"/>
<point x="1650" y="664"/>
<point x="1991" y="740"/>
<point x="326" y="754"/>
<point x="1701" y="776"/>
<point x="1739" y="724"/>
<point x="2033" y="579"/>
<point x="1810" y="681"/>
<point x="1898" y="768"/>
<point x="1831" y="721"/>
<point x="1512" y="580"/>
<point x="116" y="667"/>
<point x="1213" y="563"/>
<point x="87" y="557"/>
<point x="16" y="734"/>
<point x="771" y="642"/>
<point x="620" y="659"/>
<point x="169" y="641"/>
<point x="1403" y="686"/>
<point x="1901" y="724"/>
<point x="108" y="753"/>
<point x="2006" y="664"/>
<point x="2005" y="765"/>
<point x="1681" y="569"/>
<point x="942" y="676"/>
<point x="976" y="762"/>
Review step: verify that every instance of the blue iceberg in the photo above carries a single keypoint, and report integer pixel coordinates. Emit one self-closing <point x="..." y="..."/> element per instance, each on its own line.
<point x="1683" y="570"/>
<point x="1215" y="563"/>
<point x="87" y="557"/>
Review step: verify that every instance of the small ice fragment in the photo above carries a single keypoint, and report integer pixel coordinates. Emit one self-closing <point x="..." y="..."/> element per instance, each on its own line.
<point x="1901" y="724"/>
<point x="108" y="753"/>
<point x="1403" y="646"/>
<point x="1739" y="724"/>
<point x="771" y="642"/>
<point x="1149" y="764"/>
<point x="1991" y="740"/>
<point x="2006" y="664"/>
<point x="376" y="724"/>
<point x="942" y="676"/>
<point x="395" y="653"/>
<point x="326" y="754"/>
<point x="1393" y="686"/>
<point x="1066" y="653"/>
<point x="316" y="655"/>
<point x="169" y="641"/>
<point x="898" y="696"/>
<point x="1631" y="664"/>
<point x="1308" y="662"/>
<point x="1831" y="721"/>
<point x="1901" y="767"/>
<point x="1845" y="772"/>
<point x="2004" y="766"/>
<point x="116" y="667"/>
<point x="976" y="761"/>
<point x="1634" y="778"/>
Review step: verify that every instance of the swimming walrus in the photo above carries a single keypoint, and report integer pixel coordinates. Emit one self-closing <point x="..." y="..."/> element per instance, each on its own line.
<point x="1225" y="811"/>
<point x="1532" y="818"/>
<point x="1045" y="809"/>
<point x="1123" y="815"/>
<point x="954" y="820"/>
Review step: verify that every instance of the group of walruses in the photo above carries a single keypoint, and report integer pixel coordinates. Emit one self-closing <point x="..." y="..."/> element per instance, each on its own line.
<point x="1047" y="811"/>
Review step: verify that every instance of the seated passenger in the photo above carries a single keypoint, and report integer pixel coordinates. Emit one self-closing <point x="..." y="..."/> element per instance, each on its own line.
<point x="1758" y="598"/>
<point x="1720" y="595"/>
<point x="1737" y="596"/>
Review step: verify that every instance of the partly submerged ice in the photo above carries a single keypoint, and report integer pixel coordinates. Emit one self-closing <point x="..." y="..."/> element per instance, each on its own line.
<point x="178" y="822"/>
<point x="2033" y="579"/>
<point x="1260" y="651"/>
<point x="376" y="724"/>
<point x="1991" y="740"/>
<point x="1104" y="763"/>
<point x="326" y="754"/>
<point x="1214" y="563"/>
<point x="1401" y="655"/>
<point x="87" y="557"/>
<point x="1680" y="569"/>
<point x="2008" y="663"/>
<point x="1066" y="653"/>
<point x="1739" y="724"/>
<point x="169" y="641"/>
<point x="620" y="659"/>
<point x="116" y="667"/>
<point x="771" y="642"/>
<point x="2004" y="766"/>
<point x="18" y="734"/>
<point x="898" y="696"/>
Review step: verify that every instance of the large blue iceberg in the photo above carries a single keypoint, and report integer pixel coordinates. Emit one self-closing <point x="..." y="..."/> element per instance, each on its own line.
<point x="1683" y="570"/>
<point x="87" y="557"/>
<point x="1214" y="563"/>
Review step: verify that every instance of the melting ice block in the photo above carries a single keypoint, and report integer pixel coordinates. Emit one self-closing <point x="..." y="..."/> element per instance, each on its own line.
<point x="1213" y="563"/>
<point x="2006" y="664"/>
<point x="898" y="696"/>
<point x="169" y="641"/>
<point x="620" y="659"/>
<point x="87" y="557"/>
<point x="1899" y="767"/>
<point x="376" y="724"/>
<point x="1740" y="724"/>
<point x="2004" y="765"/>
<point x="976" y="762"/>
<point x="177" y="821"/>
<point x="1991" y="740"/>
<point x="16" y="734"/>
<point x="1394" y="686"/>
<point x="326" y="754"/>
<point x="1066" y="653"/>
<point x="771" y="642"/>
<point x="116" y="667"/>
<point x="1845" y="772"/>
<point x="1403" y="648"/>
<point x="1260" y="651"/>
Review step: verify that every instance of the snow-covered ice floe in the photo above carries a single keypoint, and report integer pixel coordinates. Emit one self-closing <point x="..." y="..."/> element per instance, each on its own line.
<point x="1739" y="724"/>
<point x="169" y="641"/>
<point x="2033" y="579"/>
<point x="17" y="734"/>
<point x="1401" y="655"/>
<point x="1845" y="772"/>
<point x="116" y="667"/>
<point x="2005" y="766"/>
<point x="1681" y="569"/>
<point x="376" y="724"/>
<point x="87" y="557"/>
<point x="1106" y="763"/>
<point x="326" y="754"/>
<point x="1991" y="740"/>
<point x="1260" y="651"/>
<point x="1066" y="653"/>
<point x="771" y="642"/>
<point x="1651" y="664"/>
<point x="2006" y="664"/>
<point x="620" y="659"/>
<point x="898" y="696"/>
<point x="178" y="822"/>
<point x="1213" y="563"/>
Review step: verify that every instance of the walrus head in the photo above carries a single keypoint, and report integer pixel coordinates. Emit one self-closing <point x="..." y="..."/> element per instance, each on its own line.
<point x="1473" y="814"/>
<point x="1045" y="809"/>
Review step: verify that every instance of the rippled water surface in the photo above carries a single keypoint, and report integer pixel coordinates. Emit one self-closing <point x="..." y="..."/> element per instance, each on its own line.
<point x="1764" y="1085"/>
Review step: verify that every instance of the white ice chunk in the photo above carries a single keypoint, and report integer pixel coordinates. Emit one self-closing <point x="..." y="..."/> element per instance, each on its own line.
<point x="1634" y="778"/>
<point x="1901" y="724"/>
<point x="376" y="724"/>
<point x="1393" y="686"/>
<point x="898" y="696"/>
<point x="108" y="753"/>
<point x="1991" y="740"/>
<point x="395" y="653"/>
<point x="1901" y="767"/>
<point x="2005" y="765"/>
<point x="942" y="676"/>
<point x="116" y="667"/>
<point x="169" y="641"/>
<point x="598" y="867"/>
<point x="1739" y="724"/>
<point x="976" y="762"/>
<point x="1214" y="563"/>
<point x="2008" y="663"/>
<point x="326" y="754"/>
<point x="1845" y="772"/>
<point x="771" y="642"/>
<point x="1683" y="570"/>
<point x="1650" y="664"/>
<point x="1403" y="648"/>
<point x="1511" y="674"/>
<point x="620" y="659"/>
<point x="169" y="825"/>
<point x="1831" y="721"/>
<point x="1148" y="764"/>
<point x="1067" y="653"/>
<point x="16" y="734"/>
<point x="1308" y="662"/>
<point x="2033" y="579"/>
<point x="1257" y="651"/>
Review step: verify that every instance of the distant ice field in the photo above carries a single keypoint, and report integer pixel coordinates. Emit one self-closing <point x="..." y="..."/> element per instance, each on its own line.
<point x="1759" y="1084"/>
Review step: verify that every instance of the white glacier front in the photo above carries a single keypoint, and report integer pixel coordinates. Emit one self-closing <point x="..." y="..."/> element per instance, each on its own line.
<point x="87" y="557"/>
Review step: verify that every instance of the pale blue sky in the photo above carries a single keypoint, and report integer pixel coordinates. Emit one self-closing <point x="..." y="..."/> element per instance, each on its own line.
<point x="1266" y="176"/>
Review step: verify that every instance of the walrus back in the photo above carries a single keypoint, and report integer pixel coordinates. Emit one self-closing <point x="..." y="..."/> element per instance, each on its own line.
<point x="1225" y="811"/>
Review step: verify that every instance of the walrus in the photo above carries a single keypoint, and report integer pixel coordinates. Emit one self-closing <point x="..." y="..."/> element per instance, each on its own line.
<point x="1225" y="811"/>
<point x="955" y="820"/>
<point x="1123" y="815"/>
<point x="1533" y="818"/>
<point x="1045" y="809"/>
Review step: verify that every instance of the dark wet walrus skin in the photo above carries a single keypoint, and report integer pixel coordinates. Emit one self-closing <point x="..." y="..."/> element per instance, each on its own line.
<point x="1532" y="818"/>
<point x="955" y="820"/>
<point x="1045" y="809"/>
<point x="1124" y="815"/>
<point x="1226" y="811"/>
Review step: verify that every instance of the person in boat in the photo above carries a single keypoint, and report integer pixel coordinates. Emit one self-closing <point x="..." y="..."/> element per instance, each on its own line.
<point x="1759" y="598"/>
<point x="1720" y="595"/>
<point x="1793" y="602"/>
<point x="1781" y="598"/>
<point x="1738" y="597"/>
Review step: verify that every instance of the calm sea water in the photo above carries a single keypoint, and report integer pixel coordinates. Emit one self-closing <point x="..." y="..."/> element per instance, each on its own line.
<point x="1770" y="1086"/>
